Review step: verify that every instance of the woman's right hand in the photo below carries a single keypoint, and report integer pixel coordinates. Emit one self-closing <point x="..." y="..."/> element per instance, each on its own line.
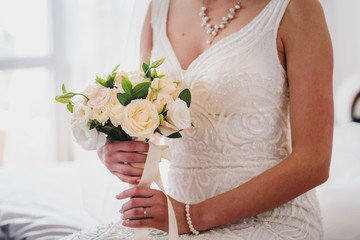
<point x="118" y="155"/>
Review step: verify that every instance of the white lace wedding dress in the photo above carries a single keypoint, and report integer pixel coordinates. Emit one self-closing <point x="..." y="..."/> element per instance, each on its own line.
<point x="240" y="110"/>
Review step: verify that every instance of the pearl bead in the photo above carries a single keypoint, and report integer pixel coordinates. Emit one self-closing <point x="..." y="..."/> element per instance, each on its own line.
<point x="212" y="30"/>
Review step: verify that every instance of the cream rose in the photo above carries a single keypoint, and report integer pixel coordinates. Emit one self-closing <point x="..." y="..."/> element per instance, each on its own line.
<point x="115" y="108"/>
<point x="140" y="118"/>
<point x="161" y="100"/>
<point x="164" y="85"/>
<point x="167" y="129"/>
<point x="99" y="96"/>
<point x="81" y="111"/>
<point x="179" y="114"/>
<point x="101" y="114"/>
<point x="88" y="139"/>
<point x="137" y="77"/>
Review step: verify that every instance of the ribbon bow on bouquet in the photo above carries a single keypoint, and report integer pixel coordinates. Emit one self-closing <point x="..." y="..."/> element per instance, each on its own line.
<point x="132" y="105"/>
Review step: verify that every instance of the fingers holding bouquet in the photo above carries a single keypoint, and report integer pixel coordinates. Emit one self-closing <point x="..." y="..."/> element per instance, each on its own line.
<point x="147" y="208"/>
<point x="122" y="157"/>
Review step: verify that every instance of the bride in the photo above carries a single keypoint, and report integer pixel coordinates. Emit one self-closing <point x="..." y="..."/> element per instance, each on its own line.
<point x="260" y="73"/>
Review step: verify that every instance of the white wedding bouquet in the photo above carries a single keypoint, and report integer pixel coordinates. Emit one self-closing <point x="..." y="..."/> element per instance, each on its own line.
<point x="128" y="106"/>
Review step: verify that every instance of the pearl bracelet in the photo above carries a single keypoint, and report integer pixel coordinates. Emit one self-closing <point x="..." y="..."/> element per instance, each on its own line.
<point x="188" y="218"/>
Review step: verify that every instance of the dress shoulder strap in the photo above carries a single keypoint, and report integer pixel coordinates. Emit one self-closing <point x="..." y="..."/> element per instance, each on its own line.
<point x="278" y="13"/>
<point x="159" y="16"/>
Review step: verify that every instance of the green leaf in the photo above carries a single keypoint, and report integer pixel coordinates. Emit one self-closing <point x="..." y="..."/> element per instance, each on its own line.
<point x="126" y="85"/>
<point x="165" y="113"/>
<point x="101" y="81"/>
<point x="146" y="70"/>
<point x="185" y="95"/>
<point x="63" y="88"/>
<point x="163" y="109"/>
<point x="161" y="76"/>
<point x="94" y="124"/>
<point x="112" y="132"/>
<point x="70" y="107"/>
<point x="161" y="118"/>
<point x="110" y="82"/>
<point x="64" y="98"/>
<point x="157" y="63"/>
<point x="141" y="90"/>
<point x="148" y="61"/>
<point x="154" y="74"/>
<point x="116" y="68"/>
<point x="175" y="135"/>
<point x="124" y="98"/>
<point x="113" y="75"/>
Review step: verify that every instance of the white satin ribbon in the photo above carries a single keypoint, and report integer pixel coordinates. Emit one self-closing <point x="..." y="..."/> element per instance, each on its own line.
<point x="151" y="174"/>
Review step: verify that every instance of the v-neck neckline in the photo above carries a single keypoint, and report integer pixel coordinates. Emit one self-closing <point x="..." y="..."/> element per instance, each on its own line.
<point x="213" y="46"/>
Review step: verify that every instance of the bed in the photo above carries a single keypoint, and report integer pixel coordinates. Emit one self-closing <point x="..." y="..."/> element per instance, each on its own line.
<point x="52" y="201"/>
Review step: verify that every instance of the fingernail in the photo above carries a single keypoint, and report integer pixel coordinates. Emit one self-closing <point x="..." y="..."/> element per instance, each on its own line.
<point x="122" y="217"/>
<point x="137" y="180"/>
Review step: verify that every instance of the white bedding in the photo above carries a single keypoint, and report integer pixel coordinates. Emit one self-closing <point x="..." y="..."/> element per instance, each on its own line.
<point x="52" y="201"/>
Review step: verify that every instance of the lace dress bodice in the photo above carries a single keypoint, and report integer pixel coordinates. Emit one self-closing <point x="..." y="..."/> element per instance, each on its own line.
<point x="240" y="113"/>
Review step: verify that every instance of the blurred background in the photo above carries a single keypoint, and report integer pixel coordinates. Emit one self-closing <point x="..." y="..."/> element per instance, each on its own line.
<point x="45" y="43"/>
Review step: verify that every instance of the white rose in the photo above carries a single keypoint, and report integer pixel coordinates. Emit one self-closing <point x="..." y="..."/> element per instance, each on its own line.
<point x="136" y="77"/>
<point x="179" y="114"/>
<point x="140" y="118"/>
<point x="167" y="129"/>
<point x="91" y="90"/>
<point x="115" y="108"/>
<point x="161" y="100"/>
<point x="164" y="85"/>
<point x="81" y="111"/>
<point x="101" y="114"/>
<point x="88" y="139"/>
<point x="99" y="96"/>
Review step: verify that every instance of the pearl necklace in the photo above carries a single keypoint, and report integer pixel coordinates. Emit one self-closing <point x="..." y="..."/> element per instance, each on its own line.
<point x="213" y="30"/>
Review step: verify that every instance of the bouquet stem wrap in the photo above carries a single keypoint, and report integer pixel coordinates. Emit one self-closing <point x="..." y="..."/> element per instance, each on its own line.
<point x="151" y="174"/>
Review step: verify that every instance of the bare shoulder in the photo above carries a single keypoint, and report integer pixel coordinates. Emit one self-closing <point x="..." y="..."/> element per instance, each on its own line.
<point x="301" y="17"/>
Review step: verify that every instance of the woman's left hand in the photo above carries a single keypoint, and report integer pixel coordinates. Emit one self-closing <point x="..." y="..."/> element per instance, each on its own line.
<point x="154" y="204"/>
